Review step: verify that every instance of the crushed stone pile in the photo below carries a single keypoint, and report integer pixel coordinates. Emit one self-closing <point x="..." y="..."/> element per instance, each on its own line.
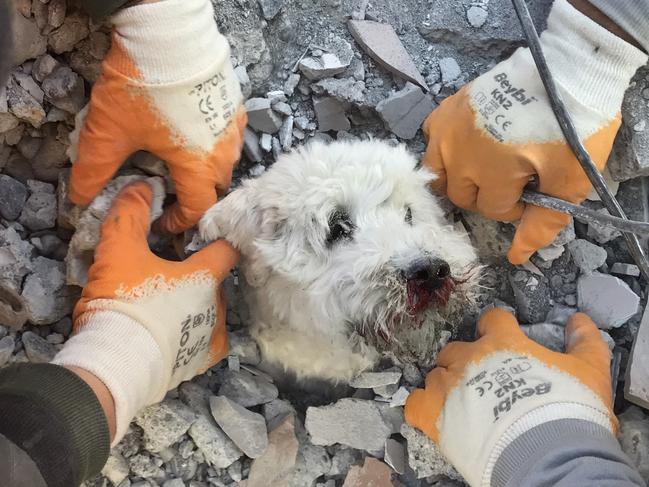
<point x="310" y="70"/>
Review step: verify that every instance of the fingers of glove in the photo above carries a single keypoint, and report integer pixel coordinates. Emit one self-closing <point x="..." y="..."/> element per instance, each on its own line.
<point x="424" y="406"/>
<point x="461" y="190"/>
<point x="497" y="322"/>
<point x="538" y="228"/>
<point x="195" y="195"/>
<point x="219" y="340"/>
<point x="584" y="341"/>
<point x="103" y="148"/>
<point x="455" y="355"/>
<point x="126" y="227"/>
<point x="500" y="200"/>
<point x="433" y="161"/>
<point x="219" y="258"/>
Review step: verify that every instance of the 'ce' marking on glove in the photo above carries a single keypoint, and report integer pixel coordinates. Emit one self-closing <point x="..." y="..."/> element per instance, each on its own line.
<point x="504" y="125"/>
<point x="481" y="390"/>
<point x="206" y="102"/>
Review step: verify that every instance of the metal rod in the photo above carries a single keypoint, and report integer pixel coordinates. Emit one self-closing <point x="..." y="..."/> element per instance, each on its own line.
<point x="572" y="137"/>
<point x="585" y="214"/>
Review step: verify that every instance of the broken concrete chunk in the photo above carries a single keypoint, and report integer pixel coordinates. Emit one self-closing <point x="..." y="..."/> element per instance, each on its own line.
<point x="275" y="467"/>
<point x="39" y="212"/>
<point x="625" y="269"/>
<point x="609" y="301"/>
<point x="164" y="423"/>
<point x="65" y="90"/>
<point x="352" y="422"/>
<point x="38" y="350"/>
<point x="370" y="380"/>
<point x="450" y="70"/>
<point x="600" y="233"/>
<point x="46" y="297"/>
<point x="261" y="117"/>
<point x="381" y="42"/>
<point x="29" y="85"/>
<point x="424" y="456"/>
<point x="395" y="455"/>
<point x="244" y="347"/>
<point x="13" y="195"/>
<point x="270" y="9"/>
<point x="532" y="296"/>
<point x="116" y="468"/>
<point x="218" y="450"/>
<point x="586" y="255"/>
<point x="24" y="106"/>
<point x="373" y="472"/>
<point x="634" y="439"/>
<point x="636" y="388"/>
<point x="399" y="398"/>
<point x="7" y="346"/>
<point x="74" y="29"/>
<point x="251" y="146"/>
<point x="330" y="114"/>
<point x="477" y="16"/>
<point x="286" y="133"/>
<point x="246" y="389"/>
<point x="245" y="428"/>
<point x="324" y="66"/>
<point x="344" y="89"/>
<point x="27" y="39"/>
<point x="405" y="111"/>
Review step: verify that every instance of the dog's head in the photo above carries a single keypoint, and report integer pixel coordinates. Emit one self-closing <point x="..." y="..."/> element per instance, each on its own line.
<point x="355" y="228"/>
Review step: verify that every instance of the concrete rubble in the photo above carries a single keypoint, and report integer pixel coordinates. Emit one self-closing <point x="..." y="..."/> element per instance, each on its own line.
<point x="309" y="71"/>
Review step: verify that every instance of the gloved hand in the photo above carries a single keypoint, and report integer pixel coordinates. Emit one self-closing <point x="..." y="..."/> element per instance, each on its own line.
<point x="143" y="324"/>
<point x="167" y="87"/>
<point x="486" y="141"/>
<point x="484" y="395"/>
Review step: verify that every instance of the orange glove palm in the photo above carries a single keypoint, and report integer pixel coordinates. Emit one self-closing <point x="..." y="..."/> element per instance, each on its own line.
<point x="167" y="87"/>
<point x="502" y="385"/>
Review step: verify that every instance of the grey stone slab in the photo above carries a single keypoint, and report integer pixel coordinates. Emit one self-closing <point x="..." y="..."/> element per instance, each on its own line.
<point x="13" y="195"/>
<point x="609" y="301"/>
<point x="381" y="42"/>
<point x="636" y="389"/>
<point x="405" y="111"/>
<point x="330" y="114"/>
<point x="587" y="255"/>
<point x="245" y="428"/>
<point x="246" y="389"/>
<point x="261" y="116"/>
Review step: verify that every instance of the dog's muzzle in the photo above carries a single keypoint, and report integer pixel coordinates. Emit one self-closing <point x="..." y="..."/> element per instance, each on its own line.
<point x="428" y="280"/>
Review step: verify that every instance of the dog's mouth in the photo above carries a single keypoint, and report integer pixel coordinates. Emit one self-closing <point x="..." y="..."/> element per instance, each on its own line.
<point x="421" y="294"/>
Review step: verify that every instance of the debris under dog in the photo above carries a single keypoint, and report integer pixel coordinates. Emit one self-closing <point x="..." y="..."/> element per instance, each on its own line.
<point x="323" y="70"/>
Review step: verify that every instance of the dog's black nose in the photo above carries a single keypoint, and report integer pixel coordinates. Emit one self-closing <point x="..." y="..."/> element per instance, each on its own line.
<point x="428" y="270"/>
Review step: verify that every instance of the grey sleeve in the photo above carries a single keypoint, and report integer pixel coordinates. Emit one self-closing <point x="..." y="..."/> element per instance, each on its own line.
<point x="565" y="453"/>
<point x="631" y="15"/>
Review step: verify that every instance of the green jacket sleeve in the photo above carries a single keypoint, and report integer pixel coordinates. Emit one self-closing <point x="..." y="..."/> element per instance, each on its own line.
<point x="54" y="418"/>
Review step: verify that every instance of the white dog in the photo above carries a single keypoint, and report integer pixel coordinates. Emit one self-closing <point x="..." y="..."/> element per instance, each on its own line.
<point x="346" y="254"/>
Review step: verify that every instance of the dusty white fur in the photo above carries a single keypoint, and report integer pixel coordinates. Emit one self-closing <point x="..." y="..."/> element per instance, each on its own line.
<point x="319" y="310"/>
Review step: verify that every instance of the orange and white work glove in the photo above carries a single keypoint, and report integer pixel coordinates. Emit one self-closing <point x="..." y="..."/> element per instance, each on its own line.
<point x="486" y="141"/>
<point x="484" y="395"/>
<point x="143" y="324"/>
<point x="167" y="87"/>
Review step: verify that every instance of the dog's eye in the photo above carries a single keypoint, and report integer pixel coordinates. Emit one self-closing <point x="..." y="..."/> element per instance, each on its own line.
<point x="408" y="215"/>
<point x="340" y="227"/>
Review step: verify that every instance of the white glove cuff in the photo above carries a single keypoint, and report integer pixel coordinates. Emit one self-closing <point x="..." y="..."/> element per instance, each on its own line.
<point x="631" y="15"/>
<point x="171" y="40"/>
<point x="542" y="415"/>
<point x="124" y="356"/>
<point x="590" y="62"/>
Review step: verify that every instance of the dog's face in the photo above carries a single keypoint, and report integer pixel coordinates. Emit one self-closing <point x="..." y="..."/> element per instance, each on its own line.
<point x="353" y="226"/>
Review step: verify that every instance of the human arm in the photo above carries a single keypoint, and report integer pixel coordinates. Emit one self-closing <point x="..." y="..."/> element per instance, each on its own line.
<point x="64" y="415"/>
<point x="506" y="411"/>
<point x="489" y="139"/>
